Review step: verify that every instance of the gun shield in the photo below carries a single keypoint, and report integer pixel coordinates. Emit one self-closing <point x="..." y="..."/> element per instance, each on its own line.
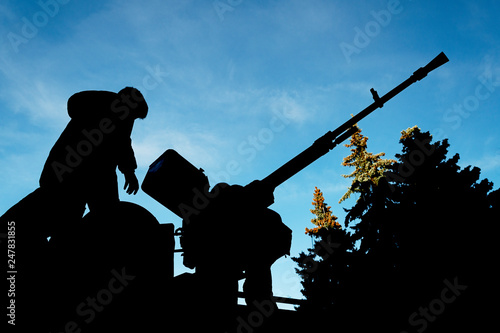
<point x="174" y="182"/>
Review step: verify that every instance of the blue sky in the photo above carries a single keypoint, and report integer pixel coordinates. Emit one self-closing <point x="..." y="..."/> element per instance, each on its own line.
<point x="239" y="87"/>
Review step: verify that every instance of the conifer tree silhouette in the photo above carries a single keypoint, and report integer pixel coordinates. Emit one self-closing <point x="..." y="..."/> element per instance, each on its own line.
<point x="421" y="229"/>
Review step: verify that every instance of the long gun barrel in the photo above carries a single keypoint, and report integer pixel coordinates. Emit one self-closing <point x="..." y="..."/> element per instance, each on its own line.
<point x="332" y="138"/>
<point x="176" y="183"/>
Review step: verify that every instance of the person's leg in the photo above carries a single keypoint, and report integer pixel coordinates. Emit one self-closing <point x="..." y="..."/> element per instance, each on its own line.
<point x="102" y="191"/>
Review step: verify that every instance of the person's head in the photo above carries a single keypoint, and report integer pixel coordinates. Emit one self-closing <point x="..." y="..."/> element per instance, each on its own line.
<point x="133" y="98"/>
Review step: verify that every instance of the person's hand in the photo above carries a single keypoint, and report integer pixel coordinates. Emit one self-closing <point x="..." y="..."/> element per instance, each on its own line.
<point x="131" y="183"/>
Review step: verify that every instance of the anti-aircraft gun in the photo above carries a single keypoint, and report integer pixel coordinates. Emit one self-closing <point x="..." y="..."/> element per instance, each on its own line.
<point x="181" y="184"/>
<point x="211" y="240"/>
<point x="114" y="261"/>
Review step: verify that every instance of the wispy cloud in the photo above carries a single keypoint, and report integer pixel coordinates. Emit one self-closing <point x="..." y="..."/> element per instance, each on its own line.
<point x="43" y="106"/>
<point x="285" y="103"/>
<point x="488" y="162"/>
<point x="195" y="147"/>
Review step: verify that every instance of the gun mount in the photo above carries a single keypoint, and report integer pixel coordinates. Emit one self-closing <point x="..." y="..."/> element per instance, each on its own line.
<point x="184" y="189"/>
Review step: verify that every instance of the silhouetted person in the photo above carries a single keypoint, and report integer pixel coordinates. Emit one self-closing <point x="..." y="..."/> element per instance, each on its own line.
<point x="81" y="167"/>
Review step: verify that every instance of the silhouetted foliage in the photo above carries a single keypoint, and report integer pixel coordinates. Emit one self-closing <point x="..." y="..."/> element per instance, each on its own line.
<point x="425" y="223"/>
<point x="324" y="269"/>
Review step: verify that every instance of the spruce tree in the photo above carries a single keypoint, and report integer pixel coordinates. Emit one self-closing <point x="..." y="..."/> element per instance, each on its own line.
<point x="324" y="218"/>
<point x="324" y="268"/>
<point x="369" y="167"/>
<point x="423" y="226"/>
